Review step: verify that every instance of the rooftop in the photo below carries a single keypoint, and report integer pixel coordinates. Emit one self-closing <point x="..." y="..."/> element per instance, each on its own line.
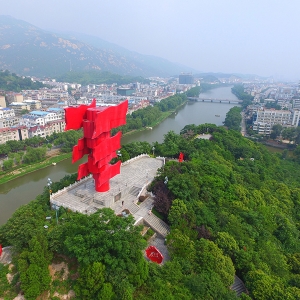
<point x="39" y="113"/>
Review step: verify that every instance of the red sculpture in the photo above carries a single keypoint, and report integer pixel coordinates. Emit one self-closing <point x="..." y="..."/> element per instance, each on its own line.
<point x="154" y="254"/>
<point x="0" y="250"/>
<point x="180" y="159"/>
<point x="97" y="142"/>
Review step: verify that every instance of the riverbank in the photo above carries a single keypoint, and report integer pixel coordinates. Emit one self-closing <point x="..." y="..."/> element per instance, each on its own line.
<point x="163" y="117"/>
<point x="54" y="156"/>
<point x="23" y="170"/>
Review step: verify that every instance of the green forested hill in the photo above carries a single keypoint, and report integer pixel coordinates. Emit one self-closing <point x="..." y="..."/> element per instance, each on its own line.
<point x="244" y="199"/>
<point x="232" y="207"/>
<point x="12" y="82"/>
<point x="98" y="77"/>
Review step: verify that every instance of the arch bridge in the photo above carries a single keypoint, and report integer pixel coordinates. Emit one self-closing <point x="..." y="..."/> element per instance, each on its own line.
<point x="217" y="100"/>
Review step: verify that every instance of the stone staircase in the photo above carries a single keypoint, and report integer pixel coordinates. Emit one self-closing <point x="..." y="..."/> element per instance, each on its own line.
<point x="238" y="286"/>
<point x="5" y="257"/>
<point x="157" y="224"/>
<point x="133" y="208"/>
<point x="135" y="191"/>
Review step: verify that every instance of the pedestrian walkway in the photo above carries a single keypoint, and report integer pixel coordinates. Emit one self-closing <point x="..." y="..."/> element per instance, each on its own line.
<point x="238" y="286"/>
<point x="6" y="255"/>
<point x="157" y="225"/>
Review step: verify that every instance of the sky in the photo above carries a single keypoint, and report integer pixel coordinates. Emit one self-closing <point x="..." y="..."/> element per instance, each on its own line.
<point x="230" y="36"/>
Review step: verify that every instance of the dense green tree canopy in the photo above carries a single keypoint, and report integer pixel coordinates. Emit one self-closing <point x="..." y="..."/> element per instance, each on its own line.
<point x="232" y="206"/>
<point x="12" y="82"/>
<point x="233" y="119"/>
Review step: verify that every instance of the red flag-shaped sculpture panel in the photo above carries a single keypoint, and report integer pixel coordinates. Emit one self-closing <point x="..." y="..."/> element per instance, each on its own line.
<point x="154" y="254"/>
<point x="180" y="159"/>
<point x="97" y="142"/>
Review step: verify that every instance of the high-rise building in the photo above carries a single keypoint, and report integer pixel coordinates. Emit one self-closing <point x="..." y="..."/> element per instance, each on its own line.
<point x="2" y="101"/>
<point x="186" y="78"/>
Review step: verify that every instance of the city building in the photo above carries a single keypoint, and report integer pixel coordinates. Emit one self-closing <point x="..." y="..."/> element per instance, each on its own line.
<point x="47" y="129"/>
<point x="265" y="119"/>
<point x="125" y="91"/>
<point x="19" y="107"/>
<point x="2" y="102"/>
<point x="186" y="78"/>
<point x="39" y="118"/>
<point x="13" y="134"/>
<point x="34" y="104"/>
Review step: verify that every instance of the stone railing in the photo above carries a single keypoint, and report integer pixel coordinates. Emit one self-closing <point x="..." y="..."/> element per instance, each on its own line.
<point x="134" y="159"/>
<point x="71" y="186"/>
<point x="141" y="156"/>
<point x="71" y="207"/>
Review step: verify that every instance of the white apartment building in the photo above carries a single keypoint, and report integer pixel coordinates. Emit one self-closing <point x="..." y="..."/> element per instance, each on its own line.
<point x="9" y="122"/>
<point x="47" y="129"/>
<point x="19" y="106"/>
<point x="2" y="101"/>
<point x="6" y="113"/>
<point x="8" y="118"/>
<point x="266" y="118"/>
<point x="13" y="134"/>
<point x="60" y="112"/>
<point x="34" y="104"/>
<point x="37" y="117"/>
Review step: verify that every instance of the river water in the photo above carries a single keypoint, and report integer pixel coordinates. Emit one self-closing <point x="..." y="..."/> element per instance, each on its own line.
<point x="22" y="190"/>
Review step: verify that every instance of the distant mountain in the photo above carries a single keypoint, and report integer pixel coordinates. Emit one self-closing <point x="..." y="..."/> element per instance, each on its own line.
<point x="28" y="50"/>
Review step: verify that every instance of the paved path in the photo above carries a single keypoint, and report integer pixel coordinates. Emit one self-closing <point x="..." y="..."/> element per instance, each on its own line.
<point x="5" y="257"/>
<point x="124" y="188"/>
<point x="238" y="286"/>
<point x="159" y="243"/>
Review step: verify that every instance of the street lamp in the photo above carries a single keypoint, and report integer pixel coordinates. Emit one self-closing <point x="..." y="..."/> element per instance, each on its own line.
<point x="119" y="154"/>
<point x="49" y="182"/>
<point x="56" y="207"/>
<point x="166" y="180"/>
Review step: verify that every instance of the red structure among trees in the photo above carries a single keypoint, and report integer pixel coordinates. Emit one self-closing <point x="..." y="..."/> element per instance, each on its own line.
<point x="97" y="142"/>
<point x="154" y="254"/>
<point x="180" y="159"/>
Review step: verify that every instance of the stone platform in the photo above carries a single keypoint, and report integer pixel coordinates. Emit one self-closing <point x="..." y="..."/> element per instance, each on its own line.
<point x="125" y="188"/>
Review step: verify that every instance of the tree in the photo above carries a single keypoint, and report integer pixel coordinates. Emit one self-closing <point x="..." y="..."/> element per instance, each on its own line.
<point x="25" y="223"/>
<point x="180" y="245"/>
<point x="91" y="283"/>
<point x="177" y="212"/>
<point x="8" y="164"/>
<point x="289" y="133"/>
<point x="227" y="243"/>
<point x="209" y="257"/>
<point x="276" y="131"/>
<point x="33" y="155"/>
<point x="233" y="119"/>
<point x="265" y="287"/>
<point x="112" y="240"/>
<point x="33" y="267"/>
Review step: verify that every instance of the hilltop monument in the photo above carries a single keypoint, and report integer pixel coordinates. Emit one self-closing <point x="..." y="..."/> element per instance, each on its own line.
<point x="97" y="142"/>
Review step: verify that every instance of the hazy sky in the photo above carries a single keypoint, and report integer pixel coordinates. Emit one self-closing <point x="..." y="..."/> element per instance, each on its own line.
<point x="235" y="36"/>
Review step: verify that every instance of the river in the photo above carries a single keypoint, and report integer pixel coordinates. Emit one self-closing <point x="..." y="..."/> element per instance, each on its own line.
<point x="22" y="190"/>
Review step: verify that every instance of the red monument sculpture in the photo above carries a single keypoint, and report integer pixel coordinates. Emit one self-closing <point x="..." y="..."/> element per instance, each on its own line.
<point x="180" y="159"/>
<point x="154" y="254"/>
<point x="97" y="142"/>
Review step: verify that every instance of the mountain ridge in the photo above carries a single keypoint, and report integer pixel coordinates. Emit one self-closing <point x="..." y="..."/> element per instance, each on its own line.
<point x="29" y="50"/>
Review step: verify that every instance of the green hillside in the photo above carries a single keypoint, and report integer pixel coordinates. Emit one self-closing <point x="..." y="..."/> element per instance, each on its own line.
<point x="232" y="207"/>
<point x="12" y="82"/>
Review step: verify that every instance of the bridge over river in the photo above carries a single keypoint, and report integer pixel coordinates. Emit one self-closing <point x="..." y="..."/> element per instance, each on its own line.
<point x="206" y="99"/>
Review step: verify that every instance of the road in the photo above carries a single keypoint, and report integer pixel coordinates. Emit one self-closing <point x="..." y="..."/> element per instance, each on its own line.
<point x="243" y="124"/>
